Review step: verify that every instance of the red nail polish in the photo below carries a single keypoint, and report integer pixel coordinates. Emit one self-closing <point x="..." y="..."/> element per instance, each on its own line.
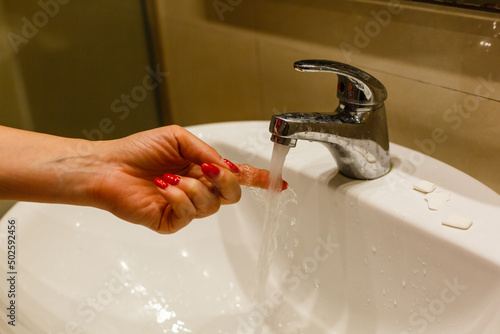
<point x="172" y="179"/>
<point x="232" y="166"/>
<point x="285" y="186"/>
<point x="210" y="170"/>
<point x="160" y="183"/>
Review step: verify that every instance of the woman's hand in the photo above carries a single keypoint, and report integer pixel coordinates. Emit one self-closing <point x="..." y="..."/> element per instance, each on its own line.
<point x="166" y="177"/>
<point x="161" y="178"/>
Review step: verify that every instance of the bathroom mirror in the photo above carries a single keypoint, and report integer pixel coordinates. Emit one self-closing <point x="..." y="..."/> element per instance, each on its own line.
<point x="483" y="5"/>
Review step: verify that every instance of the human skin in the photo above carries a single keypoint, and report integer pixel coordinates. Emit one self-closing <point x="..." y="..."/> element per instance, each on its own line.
<point x="119" y="175"/>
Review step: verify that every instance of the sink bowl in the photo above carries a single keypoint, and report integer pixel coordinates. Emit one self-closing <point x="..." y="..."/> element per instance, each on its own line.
<point x="350" y="256"/>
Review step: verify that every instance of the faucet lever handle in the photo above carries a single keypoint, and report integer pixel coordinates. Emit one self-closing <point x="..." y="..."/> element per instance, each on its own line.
<point x="354" y="87"/>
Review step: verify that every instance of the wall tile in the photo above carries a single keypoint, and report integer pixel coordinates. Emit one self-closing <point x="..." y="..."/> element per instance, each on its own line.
<point x="213" y="74"/>
<point x="77" y="63"/>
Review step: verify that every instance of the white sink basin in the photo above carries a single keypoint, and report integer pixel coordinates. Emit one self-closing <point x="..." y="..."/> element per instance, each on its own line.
<point x="352" y="256"/>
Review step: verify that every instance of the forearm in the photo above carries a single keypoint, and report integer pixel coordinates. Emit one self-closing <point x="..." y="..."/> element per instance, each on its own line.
<point x="44" y="168"/>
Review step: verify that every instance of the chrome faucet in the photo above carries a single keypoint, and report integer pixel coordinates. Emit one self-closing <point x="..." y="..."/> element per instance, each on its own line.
<point x="356" y="133"/>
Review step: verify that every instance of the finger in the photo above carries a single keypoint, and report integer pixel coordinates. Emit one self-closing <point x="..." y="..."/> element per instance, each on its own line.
<point x="255" y="177"/>
<point x="180" y="211"/>
<point x="225" y="181"/>
<point x="205" y="201"/>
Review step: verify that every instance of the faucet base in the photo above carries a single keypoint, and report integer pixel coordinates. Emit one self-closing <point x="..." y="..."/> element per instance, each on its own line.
<point x="358" y="161"/>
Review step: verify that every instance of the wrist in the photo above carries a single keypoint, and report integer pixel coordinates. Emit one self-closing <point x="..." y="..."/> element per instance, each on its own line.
<point x="44" y="168"/>
<point x="77" y="172"/>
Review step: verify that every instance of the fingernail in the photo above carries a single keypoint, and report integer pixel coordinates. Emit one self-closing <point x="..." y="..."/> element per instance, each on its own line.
<point x="285" y="186"/>
<point x="160" y="183"/>
<point x="210" y="170"/>
<point x="232" y="166"/>
<point x="172" y="179"/>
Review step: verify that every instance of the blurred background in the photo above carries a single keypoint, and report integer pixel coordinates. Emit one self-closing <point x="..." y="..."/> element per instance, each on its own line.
<point x="105" y="69"/>
<point x="76" y="68"/>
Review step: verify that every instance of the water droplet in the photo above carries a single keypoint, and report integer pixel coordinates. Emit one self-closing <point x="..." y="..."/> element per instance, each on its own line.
<point x="403" y="283"/>
<point x="316" y="283"/>
<point x="374" y="249"/>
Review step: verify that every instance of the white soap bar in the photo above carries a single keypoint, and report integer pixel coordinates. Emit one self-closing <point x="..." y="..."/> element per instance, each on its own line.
<point x="458" y="222"/>
<point x="424" y="186"/>
<point x="437" y="200"/>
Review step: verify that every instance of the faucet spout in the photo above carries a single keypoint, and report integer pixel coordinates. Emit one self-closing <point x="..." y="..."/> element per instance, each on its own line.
<point x="356" y="133"/>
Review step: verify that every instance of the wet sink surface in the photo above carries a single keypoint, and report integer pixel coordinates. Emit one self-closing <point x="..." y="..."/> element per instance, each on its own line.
<point x="352" y="256"/>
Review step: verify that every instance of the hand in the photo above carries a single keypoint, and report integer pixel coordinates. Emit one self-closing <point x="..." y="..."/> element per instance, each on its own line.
<point x="166" y="177"/>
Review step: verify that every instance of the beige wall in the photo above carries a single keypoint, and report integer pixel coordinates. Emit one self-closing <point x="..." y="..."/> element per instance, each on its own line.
<point x="62" y="66"/>
<point x="439" y="64"/>
<point x="68" y="61"/>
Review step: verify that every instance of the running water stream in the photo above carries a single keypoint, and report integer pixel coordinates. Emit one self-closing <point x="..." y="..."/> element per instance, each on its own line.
<point x="271" y="221"/>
